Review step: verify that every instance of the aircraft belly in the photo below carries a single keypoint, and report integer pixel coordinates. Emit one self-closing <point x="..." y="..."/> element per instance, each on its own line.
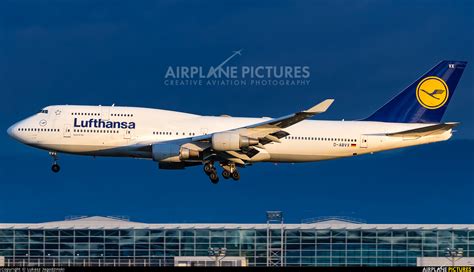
<point x="96" y="150"/>
<point x="275" y="157"/>
<point x="291" y="152"/>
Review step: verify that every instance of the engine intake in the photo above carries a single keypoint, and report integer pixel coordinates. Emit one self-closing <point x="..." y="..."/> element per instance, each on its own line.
<point x="228" y="141"/>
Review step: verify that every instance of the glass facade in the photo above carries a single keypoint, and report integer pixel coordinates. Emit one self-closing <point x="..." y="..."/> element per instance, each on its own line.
<point x="302" y="244"/>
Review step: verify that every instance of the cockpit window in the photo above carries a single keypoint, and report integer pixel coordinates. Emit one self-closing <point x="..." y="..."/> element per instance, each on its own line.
<point x="43" y="111"/>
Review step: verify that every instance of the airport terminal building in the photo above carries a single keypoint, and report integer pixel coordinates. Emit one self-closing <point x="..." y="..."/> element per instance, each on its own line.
<point x="108" y="241"/>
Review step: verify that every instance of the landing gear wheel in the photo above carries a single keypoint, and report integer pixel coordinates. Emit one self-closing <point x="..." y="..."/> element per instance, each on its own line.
<point x="208" y="168"/>
<point x="235" y="175"/>
<point x="214" y="177"/>
<point x="55" y="168"/>
<point x="226" y="174"/>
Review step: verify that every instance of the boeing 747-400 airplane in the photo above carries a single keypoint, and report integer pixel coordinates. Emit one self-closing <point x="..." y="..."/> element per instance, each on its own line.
<point x="176" y="140"/>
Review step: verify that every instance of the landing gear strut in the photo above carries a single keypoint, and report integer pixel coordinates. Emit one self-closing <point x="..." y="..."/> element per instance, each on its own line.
<point x="55" y="167"/>
<point x="210" y="170"/>
<point x="230" y="171"/>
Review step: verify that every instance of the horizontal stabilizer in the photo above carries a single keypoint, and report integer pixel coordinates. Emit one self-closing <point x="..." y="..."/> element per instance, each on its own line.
<point x="424" y="131"/>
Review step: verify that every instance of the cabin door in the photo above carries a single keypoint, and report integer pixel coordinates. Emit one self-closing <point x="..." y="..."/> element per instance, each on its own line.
<point x="364" y="141"/>
<point x="128" y="134"/>
<point x="67" y="131"/>
<point x="105" y="113"/>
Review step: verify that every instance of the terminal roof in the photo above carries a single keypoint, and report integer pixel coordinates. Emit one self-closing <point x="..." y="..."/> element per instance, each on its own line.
<point x="101" y="222"/>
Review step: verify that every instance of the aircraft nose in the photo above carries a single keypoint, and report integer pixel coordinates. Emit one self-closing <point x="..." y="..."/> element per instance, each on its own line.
<point x="12" y="131"/>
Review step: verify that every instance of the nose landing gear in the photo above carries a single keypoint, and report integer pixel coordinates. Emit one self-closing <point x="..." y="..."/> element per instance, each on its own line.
<point x="55" y="167"/>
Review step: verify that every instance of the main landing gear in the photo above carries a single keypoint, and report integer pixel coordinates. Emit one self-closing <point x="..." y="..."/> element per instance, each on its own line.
<point x="230" y="171"/>
<point x="210" y="170"/>
<point x="234" y="175"/>
<point x="55" y="167"/>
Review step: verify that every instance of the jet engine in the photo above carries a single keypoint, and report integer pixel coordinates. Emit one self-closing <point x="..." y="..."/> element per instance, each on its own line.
<point x="229" y="141"/>
<point x="165" y="152"/>
<point x="188" y="154"/>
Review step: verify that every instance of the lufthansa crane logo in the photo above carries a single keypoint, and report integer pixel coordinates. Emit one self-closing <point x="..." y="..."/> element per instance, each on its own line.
<point x="432" y="92"/>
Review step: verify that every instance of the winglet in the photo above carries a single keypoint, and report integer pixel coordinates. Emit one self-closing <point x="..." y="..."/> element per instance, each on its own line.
<point x="321" y="107"/>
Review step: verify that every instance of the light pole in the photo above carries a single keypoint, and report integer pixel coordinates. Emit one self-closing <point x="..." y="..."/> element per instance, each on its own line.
<point x="454" y="254"/>
<point x="275" y="256"/>
<point x="218" y="253"/>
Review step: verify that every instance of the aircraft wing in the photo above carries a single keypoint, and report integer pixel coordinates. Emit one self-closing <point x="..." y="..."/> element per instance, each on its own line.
<point x="266" y="132"/>
<point x="289" y="120"/>
<point x="275" y="126"/>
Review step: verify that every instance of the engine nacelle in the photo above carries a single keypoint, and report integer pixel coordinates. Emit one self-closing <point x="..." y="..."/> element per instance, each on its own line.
<point x="165" y="152"/>
<point x="186" y="154"/>
<point x="229" y="141"/>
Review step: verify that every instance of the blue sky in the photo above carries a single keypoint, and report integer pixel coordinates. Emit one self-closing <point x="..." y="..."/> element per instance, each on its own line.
<point x="361" y="53"/>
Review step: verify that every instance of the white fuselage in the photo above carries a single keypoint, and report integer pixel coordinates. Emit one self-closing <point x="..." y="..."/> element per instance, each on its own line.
<point x="117" y="131"/>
